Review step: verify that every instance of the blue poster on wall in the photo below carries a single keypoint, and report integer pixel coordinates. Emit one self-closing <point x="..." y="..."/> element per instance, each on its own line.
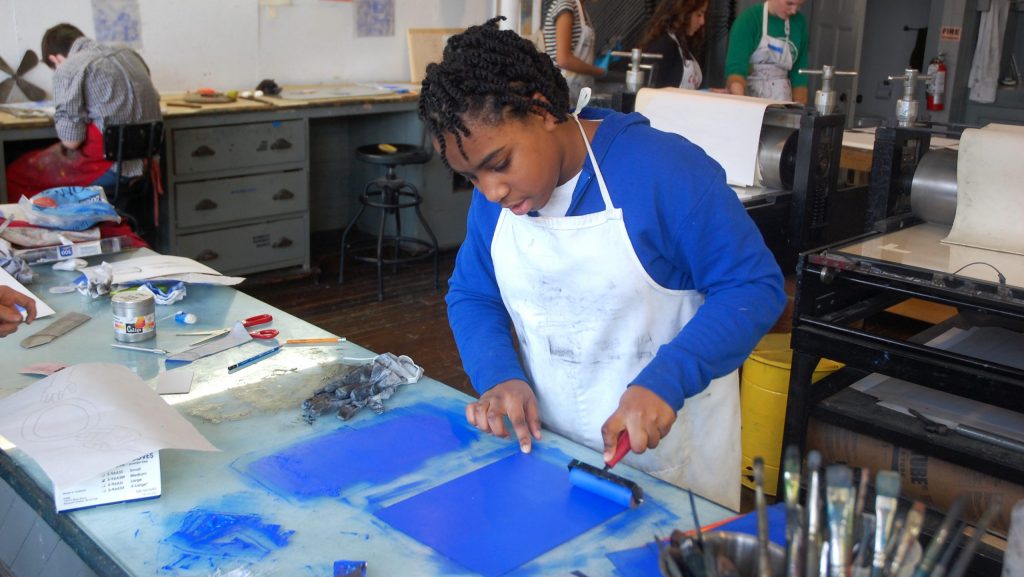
<point x="117" y="22"/>
<point x="375" y="18"/>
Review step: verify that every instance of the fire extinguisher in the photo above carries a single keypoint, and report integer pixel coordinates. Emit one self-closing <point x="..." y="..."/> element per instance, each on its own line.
<point x="936" y="87"/>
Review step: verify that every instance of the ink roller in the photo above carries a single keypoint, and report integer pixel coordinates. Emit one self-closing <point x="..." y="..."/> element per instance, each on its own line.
<point x="604" y="483"/>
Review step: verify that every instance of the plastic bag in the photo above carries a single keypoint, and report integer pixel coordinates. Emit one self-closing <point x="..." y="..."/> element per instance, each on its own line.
<point x="69" y="208"/>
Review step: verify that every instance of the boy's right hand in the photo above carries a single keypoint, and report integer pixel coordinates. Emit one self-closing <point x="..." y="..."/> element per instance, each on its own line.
<point x="514" y="399"/>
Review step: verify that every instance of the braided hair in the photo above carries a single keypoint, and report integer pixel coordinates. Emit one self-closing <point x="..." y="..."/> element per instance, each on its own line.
<point x="487" y="73"/>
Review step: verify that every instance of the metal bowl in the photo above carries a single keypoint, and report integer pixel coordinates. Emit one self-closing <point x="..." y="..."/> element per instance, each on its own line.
<point x="741" y="549"/>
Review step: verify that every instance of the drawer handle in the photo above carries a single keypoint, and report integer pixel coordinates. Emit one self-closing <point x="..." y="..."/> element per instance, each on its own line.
<point x="203" y="151"/>
<point x="280" y="144"/>
<point x="284" y="194"/>
<point x="206" y="204"/>
<point x="206" y="255"/>
<point x="284" y="242"/>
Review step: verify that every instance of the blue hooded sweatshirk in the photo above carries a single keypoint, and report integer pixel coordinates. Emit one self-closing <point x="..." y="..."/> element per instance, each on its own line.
<point x="689" y="231"/>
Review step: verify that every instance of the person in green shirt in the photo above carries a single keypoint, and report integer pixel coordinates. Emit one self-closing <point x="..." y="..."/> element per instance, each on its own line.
<point x="767" y="48"/>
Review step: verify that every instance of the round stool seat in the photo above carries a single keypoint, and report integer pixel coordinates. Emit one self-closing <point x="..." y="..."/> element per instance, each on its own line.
<point x="382" y="154"/>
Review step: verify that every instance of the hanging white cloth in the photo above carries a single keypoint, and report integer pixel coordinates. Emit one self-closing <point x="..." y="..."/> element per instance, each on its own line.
<point x="984" y="79"/>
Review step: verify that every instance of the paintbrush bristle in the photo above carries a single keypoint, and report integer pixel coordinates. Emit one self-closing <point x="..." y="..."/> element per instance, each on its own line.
<point x="791" y="460"/>
<point x="839" y="476"/>
<point x="887" y="484"/>
<point x="759" y="471"/>
<point x="814" y="460"/>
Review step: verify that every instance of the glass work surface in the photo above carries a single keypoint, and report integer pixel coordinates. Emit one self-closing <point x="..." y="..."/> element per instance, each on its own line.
<point x="921" y="247"/>
<point x="214" y="517"/>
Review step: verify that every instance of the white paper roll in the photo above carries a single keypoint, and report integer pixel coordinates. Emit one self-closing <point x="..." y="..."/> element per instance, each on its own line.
<point x="990" y="189"/>
<point x="726" y="126"/>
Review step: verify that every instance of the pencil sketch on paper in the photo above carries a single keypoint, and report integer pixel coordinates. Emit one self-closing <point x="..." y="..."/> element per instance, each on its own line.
<point x="375" y="18"/>
<point x="89" y="418"/>
<point x="117" y="22"/>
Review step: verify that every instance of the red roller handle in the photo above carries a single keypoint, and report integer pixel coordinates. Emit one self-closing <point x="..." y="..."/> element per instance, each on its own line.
<point x="621" y="448"/>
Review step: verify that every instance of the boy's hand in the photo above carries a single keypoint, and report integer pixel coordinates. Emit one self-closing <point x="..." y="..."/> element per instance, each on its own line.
<point x="644" y="414"/>
<point x="514" y="399"/>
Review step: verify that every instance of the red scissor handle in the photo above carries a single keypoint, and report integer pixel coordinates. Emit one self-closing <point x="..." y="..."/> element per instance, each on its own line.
<point x="264" y="334"/>
<point x="257" y="320"/>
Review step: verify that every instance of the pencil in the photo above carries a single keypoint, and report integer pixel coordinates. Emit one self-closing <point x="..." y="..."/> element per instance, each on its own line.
<point x="321" y="340"/>
<point x="253" y="359"/>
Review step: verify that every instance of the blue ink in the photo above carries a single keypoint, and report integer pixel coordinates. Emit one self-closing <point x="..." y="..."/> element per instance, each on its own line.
<point x="488" y="520"/>
<point x="350" y="569"/>
<point x="376" y="454"/>
<point x="206" y="535"/>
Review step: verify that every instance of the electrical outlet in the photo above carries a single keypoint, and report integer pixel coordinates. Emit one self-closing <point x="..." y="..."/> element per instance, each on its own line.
<point x="884" y="90"/>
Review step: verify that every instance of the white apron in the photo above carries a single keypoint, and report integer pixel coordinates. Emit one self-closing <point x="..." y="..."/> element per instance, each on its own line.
<point x="589" y="318"/>
<point x="771" y="62"/>
<point x="584" y="50"/>
<point x="692" y="76"/>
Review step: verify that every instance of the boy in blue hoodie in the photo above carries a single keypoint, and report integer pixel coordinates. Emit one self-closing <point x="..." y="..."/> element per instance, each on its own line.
<point x="633" y="278"/>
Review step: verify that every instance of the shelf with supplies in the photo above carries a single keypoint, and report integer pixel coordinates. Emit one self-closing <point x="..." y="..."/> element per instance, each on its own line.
<point x="841" y="290"/>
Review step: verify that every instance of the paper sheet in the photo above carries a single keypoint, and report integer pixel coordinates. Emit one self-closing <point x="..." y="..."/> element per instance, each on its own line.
<point x="991" y="344"/>
<point x="42" y="309"/>
<point x="726" y="126"/>
<point x="166" y="267"/>
<point x="90" y="418"/>
<point x="864" y="139"/>
<point x="989" y="202"/>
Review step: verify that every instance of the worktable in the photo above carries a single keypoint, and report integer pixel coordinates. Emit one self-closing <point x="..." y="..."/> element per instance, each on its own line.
<point x="254" y="413"/>
<point x="248" y="182"/>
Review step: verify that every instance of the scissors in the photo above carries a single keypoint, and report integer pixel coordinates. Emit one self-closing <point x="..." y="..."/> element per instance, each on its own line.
<point x="249" y="322"/>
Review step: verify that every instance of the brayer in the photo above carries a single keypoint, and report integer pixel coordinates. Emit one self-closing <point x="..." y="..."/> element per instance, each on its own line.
<point x="604" y="483"/>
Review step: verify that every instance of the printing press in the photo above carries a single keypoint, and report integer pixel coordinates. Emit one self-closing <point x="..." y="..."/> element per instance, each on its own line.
<point x="944" y="406"/>
<point x="791" y="188"/>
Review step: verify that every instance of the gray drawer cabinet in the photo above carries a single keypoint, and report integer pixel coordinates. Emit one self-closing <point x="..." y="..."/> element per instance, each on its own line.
<point x="251" y="247"/>
<point x="238" y="191"/>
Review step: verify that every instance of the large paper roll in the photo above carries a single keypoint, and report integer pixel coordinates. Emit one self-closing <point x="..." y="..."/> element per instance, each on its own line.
<point x="726" y="126"/>
<point x="990" y="189"/>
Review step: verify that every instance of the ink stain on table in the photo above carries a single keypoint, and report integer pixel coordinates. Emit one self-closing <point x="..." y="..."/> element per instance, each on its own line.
<point x="208" y="538"/>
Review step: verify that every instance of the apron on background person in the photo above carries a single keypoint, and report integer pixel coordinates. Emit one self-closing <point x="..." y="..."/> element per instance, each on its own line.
<point x="584" y="336"/>
<point x="771" y="62"/>
<point x="692" y="76"/>
<point x="584" y="50"/>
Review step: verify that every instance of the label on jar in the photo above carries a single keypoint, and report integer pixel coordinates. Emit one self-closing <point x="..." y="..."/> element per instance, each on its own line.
<point x="134" y="316"/>
<point x="134" y="325"/>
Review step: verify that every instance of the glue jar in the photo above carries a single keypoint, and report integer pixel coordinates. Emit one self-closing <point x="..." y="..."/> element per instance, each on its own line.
<point x="134" y="316"/>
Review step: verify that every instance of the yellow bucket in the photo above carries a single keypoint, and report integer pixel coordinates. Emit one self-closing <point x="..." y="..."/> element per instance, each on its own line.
<point x="764" y="391"/>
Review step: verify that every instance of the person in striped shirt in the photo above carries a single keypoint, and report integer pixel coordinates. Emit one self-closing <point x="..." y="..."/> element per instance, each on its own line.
<point x="569" y="40"/>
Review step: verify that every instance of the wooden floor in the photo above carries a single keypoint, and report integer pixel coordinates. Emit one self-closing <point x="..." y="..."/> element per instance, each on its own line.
<point x="411" y="320"/>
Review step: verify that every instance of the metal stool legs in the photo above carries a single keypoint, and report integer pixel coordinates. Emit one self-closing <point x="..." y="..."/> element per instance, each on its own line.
<point x="389" y="194"/>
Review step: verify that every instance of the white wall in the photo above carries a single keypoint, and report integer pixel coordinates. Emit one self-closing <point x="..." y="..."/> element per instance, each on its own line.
<point x="233" y="44"/>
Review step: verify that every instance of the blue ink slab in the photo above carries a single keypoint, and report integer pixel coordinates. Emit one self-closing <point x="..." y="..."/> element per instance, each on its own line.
<point x="327" y="465"/>
<point x="501" y="516"/>
<point x="643" y="561"/>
